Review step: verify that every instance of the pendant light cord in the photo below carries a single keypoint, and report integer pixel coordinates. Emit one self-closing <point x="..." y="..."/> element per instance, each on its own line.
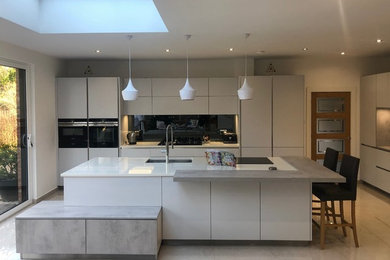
<point x="246" y="52"/>
<point x="130" y="37"/>
<point x="188" y="37"/>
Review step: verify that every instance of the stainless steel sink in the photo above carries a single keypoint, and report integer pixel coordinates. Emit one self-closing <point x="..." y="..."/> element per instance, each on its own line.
<point x="170" y="161"/>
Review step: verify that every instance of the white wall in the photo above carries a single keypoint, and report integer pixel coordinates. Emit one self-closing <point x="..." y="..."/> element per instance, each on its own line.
<point x="45" y="69"/>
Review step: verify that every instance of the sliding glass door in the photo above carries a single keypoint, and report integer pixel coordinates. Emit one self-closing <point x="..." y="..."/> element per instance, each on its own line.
<point x="13" y="138"/>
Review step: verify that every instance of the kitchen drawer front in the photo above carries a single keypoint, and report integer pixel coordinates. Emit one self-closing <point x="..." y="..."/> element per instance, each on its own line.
<point x="223" y="86"/>
<point x="170" y="87"/>
<point x="174" y="106"/>
<point x="227" y="105"/>
<point x="136" y="152"/>
<point x="382" y="179"/>
<point x="50" y="236"/>
<point x="256" y="152"/>
<point x="140" y="106"/>
<point x="383" y="159"/>
<point x="126" y="237"/>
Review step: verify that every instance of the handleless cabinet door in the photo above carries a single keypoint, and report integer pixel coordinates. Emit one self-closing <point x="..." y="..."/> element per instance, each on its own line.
<point x="72" y="97"/>
<point x="256" y="114"/>
<point x="223" y="87"/>
<point x="288" y="111"/>
<point x="69" y="158"/>
<point x="170" y="87"/>
<point x="143" y="104"/>
<point x="103" y="97"/>
<point x="383" y="90"/>
<point x="102" y="152"/>
<point x="368" y="98"/>
<point x="186" y="209"/>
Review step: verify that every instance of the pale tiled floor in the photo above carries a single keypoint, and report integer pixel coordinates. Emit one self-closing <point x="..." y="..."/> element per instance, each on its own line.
<point x="373" y="216"/>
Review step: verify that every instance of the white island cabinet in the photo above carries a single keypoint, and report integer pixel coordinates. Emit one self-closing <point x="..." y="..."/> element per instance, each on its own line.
<point x="203" y="202"/>
<point x="186" y="213"/>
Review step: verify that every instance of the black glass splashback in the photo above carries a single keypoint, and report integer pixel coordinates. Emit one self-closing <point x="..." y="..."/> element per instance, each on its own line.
<point x="153" y="127"/>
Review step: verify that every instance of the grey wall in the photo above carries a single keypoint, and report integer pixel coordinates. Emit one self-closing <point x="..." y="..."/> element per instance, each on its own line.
<point x="160" y="68"/>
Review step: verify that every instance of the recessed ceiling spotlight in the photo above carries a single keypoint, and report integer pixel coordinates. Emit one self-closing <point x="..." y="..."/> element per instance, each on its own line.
<point x="98" y="51"/>
<point x="231" y="49"/>
<point x="379" y="41"/>
<point x="167" y="50"/>
<point x="260" y="52"/>
<point x="305" y="49"/>
<point x="342" y="53"/>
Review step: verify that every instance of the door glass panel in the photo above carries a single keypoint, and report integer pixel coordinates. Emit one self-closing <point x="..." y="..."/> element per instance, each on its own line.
<point x="13" y="138"/>
<point x="336" y="144"/>
<point x="330" y="105"/>
<point x="329" y="125"/>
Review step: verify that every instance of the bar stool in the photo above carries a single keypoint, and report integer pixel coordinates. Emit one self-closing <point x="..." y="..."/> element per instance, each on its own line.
<point x="341" y="192"/>
<point x="330" y="161"/>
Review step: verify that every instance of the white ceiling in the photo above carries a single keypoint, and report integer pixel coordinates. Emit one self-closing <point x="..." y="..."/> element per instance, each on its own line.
<point x="278" y="27"/>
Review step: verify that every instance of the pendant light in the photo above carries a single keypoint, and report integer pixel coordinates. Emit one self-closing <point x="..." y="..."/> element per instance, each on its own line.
<point x="245" y="92"/>
<point x="187" y="92"/>
<point x="130" y="92"/>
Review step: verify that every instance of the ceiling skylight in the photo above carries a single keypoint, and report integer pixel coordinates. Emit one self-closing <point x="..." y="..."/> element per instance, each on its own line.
<point x="84" y="16"/>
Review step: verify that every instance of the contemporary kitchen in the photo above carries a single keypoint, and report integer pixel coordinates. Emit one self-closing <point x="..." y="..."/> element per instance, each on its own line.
<point x="175" y="130"/>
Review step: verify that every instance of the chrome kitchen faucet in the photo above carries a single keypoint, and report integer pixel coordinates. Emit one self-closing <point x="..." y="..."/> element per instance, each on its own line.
<point x="167" y="142"/>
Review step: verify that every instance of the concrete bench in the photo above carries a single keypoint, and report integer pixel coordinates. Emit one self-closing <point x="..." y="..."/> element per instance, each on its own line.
<point x="50" y="228"/>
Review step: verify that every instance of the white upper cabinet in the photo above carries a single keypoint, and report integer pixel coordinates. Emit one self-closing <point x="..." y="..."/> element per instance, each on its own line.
<point x="143" y="104"/>
<point x="176" y="106"/>
<point x="256" y="114"/>
<point x="170" y="87"/>
<point x="103" y="97"/>
<point x="383" y="90"/>
<point x="72" y="97"/>
<point x="288" y="111"/>
<point x="223" y="96"/>
<point x="368" y="98"/>
<point x="223" y="87"/>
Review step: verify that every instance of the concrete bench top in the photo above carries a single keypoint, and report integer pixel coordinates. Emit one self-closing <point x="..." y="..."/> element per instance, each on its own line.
<point x="57" y="210"/>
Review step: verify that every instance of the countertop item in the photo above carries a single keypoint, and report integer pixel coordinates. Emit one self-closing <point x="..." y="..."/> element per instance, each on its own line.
<point x="288" y="168"/>
<point x="209" y="145"/>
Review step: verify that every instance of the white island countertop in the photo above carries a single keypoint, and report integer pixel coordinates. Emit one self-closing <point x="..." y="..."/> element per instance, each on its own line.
<point x="288" y="168"/>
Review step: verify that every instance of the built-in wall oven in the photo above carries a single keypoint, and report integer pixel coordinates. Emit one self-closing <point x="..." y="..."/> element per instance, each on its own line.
<point x="103" y="133"/>
<point x="72" y="133"/>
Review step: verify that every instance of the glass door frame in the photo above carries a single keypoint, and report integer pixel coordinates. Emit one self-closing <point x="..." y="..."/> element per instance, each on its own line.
<point x="30" y="107"/>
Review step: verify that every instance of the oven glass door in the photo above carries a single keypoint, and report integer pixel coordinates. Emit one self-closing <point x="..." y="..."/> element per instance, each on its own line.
<point x="72" y="137"/>
<point x="103" y="136"/>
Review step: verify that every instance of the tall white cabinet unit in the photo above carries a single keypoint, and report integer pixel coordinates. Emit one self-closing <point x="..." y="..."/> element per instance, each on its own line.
<point x="256" y="119"/>
<point x="85" y="98"/>
<point x="374" y="154"/>
<point x="288" y="115"/>
<point x="272" y="123"/>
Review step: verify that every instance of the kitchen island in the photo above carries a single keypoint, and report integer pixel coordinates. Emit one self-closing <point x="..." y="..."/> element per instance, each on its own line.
<point x="202" y="202"/>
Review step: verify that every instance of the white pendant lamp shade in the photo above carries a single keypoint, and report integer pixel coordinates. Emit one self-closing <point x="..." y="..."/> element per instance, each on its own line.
<point x="187" y="92"/>
<point x="129" y="93"/>
<point x="245" y="92"/>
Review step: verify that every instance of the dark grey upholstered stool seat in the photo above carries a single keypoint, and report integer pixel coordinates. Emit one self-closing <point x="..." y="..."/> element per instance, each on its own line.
<point x="339" y="192"/>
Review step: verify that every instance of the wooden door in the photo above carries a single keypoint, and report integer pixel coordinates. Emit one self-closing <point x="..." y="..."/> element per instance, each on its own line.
<point x="330" y="123"/>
